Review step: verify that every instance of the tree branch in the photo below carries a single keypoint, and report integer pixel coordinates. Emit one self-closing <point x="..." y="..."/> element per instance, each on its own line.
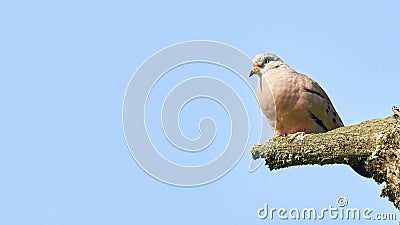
<point x="374" y="141"/>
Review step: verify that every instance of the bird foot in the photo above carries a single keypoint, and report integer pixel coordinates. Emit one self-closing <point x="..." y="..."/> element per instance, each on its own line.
<point x="275" y="137"/>
<point x="291" y="137"/>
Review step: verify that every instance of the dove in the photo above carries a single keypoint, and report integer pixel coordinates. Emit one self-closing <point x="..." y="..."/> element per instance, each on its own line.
<point x="293" y="103"/>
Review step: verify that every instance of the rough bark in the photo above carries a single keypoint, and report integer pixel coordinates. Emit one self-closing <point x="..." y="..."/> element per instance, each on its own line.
<point x="374" y="141"/>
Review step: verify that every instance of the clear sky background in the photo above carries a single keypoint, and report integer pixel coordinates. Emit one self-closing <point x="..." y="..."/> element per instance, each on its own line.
<point x="64" y="70"/>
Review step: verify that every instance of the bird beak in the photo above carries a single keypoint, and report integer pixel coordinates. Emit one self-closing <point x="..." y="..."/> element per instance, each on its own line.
<point x="255" y="70"/>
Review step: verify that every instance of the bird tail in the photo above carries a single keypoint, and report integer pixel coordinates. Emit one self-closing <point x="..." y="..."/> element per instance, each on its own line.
<point x="360" y="169"/>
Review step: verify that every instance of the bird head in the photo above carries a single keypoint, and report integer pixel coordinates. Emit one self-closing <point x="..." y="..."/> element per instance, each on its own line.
<point x="264" y="62"/>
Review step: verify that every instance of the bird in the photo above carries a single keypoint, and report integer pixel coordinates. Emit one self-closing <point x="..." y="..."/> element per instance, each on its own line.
<point x="293" y="103"/>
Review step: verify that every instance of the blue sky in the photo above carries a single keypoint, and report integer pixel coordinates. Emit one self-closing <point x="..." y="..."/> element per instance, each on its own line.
<point x="65" y="67"/>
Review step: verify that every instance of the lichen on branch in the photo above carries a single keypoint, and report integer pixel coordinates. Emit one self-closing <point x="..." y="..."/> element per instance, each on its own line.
<point x="375" y="141"/>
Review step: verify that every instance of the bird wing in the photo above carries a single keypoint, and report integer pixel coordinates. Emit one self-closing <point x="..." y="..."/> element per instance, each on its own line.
<point x="321" y="109"/>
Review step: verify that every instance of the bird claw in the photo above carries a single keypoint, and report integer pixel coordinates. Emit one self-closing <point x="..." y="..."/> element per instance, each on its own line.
<point x="275" y="137"/>
<point x="291" y="137"/>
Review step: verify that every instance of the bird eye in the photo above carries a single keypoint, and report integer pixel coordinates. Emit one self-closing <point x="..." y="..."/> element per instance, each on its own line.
<point x="266" y="60"/>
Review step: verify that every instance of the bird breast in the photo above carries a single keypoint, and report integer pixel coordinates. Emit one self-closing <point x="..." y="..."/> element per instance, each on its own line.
<point x="283" y="103"/>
